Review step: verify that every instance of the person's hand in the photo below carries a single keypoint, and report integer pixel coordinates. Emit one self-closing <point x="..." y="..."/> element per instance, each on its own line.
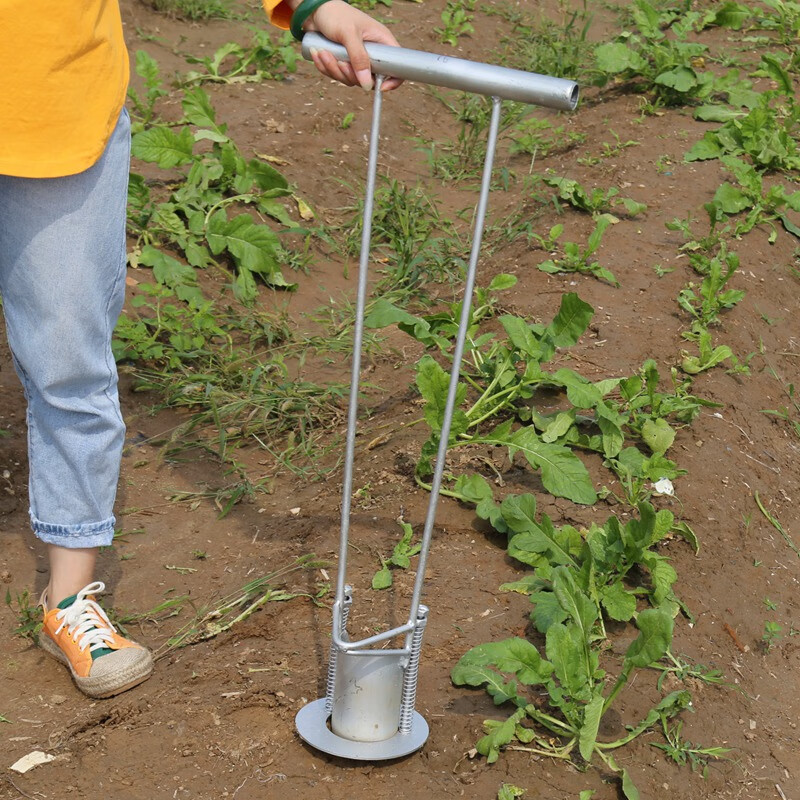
<point x="342" y="23"/>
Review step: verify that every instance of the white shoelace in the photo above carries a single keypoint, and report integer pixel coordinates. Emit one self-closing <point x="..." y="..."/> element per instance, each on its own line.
<point x="85" y="621"/>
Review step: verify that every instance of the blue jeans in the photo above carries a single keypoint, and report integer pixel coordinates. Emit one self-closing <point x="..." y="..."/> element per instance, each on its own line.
<point x="62" y="280"/>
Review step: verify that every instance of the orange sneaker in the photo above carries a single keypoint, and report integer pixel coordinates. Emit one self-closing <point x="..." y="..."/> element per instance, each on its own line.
<point x="79" y="634"/>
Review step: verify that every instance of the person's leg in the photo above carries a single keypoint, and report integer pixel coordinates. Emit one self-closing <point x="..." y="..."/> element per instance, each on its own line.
<point x="62" y="262"/>
<point x="62" y="279"/>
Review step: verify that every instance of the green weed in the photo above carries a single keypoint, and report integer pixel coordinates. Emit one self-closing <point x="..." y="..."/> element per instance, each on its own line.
<point x="193" y="9"/>
<point x="216" y="617"/>
<point x="595" y="201"/>
<point x="579" y="259"/>
<point x="263" y="59"/>
<point x="683" y="752"/>
<point x="456" y="21"/>
<point x="194" y="216"/>
<point x="401" y="556"/>
<point x="28" y="614"/>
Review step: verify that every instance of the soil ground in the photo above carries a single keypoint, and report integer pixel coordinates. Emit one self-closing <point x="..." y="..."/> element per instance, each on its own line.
<point x="216" y="719"/>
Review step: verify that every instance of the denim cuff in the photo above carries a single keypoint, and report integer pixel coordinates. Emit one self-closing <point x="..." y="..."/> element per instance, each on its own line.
<point x="87" y="534"/>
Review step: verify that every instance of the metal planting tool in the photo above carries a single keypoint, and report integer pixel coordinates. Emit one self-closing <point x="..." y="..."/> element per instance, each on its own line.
<point x="368" y="712"/>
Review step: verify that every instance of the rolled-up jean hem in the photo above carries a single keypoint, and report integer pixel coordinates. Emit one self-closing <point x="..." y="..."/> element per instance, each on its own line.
<point x="88" y="534"/>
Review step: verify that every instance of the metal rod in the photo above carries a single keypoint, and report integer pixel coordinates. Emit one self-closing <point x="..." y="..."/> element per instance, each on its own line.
<point x="358" y="337"/>
<point x="455" y="371"/>
<point x="458" y="73"/>
<point x="409" y="697"/>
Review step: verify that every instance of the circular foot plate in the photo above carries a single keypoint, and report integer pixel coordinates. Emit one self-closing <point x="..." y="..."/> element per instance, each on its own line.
<point x="312" y="725"/>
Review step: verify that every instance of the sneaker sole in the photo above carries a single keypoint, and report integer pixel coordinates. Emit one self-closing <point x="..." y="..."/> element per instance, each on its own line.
<point x="106" y="685"/>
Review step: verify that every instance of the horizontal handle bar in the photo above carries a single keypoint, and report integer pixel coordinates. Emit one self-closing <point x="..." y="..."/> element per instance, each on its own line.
<point x="458" y="73"/>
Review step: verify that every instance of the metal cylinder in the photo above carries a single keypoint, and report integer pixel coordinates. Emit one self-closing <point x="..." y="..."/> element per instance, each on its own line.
<point x="458" y="73"/>
<point x="367" y="696"/>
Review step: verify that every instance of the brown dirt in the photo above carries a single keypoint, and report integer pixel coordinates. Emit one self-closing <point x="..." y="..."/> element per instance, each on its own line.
<point x="216" y="719"/>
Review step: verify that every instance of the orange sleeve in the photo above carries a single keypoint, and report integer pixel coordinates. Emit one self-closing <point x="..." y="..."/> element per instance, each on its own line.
<point x="279" y="13"/>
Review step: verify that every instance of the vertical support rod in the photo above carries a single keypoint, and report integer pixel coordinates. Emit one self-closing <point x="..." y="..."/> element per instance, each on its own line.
<point x="409" y="697"/>
<point x="358" y="336"/>
<point x="333" y="656"/>
<point x="463" y="326"/>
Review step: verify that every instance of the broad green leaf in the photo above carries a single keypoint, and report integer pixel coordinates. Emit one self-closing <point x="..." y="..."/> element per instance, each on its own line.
<point x="729" y="15"/>
<point x="681" y="79"/>
<point x="199" y="111"/>
<point x="160" y="145"/>
<point x="509" y="655"/>
<point x="502" y="282"/>
<point x="571" y="322"/>
<point x="615" y="57"/>
<point x="559" y="426"/>
<point x="655" y="635"/>
<point x="169" y="272"/>
<point x="683" y="529"/>
<point x="563" y="473"/>
<point x="658" y="435"/>
<point x="527" y="585"/>
<point x="707" y="148"/>
<point x="731" y="199"/>
<point x="500" y="734"/>
<point x="581" y="393"/>
<point x="547" y="611"/>
<point x="383" y="314"/>
<point x="254" y="247"/>
<point x="619" y="603"/>
<point x="522" y="337"/>
<point x="587" y="794"/>
<point x="773" y="67"/>
<point x="382" y="579"/>
<point x="500" y="690"/>
<point x="572" y="599"/>
<point x="591" y="722"/>
<point x="537" y="538"/>
<point x="244" y="287"/>
<point x="432" y="382"/>
<point x="664" y="576"/>
<point x="565" y="646"/>
<point x="715" y="113"/>
<point x="628" y="789"/>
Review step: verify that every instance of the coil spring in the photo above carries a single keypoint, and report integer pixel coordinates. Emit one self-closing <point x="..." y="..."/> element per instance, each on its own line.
<point x="409" y="696"/>
<point x="334" y="653"/>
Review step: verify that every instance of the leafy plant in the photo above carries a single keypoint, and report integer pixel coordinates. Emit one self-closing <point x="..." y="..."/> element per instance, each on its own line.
<point x="194" y="216"/>
<point x="193" y="9"/>
<point x="572" y="683"/>
<point x="143" y="106"/>
<point x="683" y="752"/>
<point x="539" y="137"/>
<point x="456" y="21"/>
<point x="401" y="557"/>
<point x="579" y="259"/>
<point x="762" y="203"/>
<point x="28" y="615"/>
<point x="669" y="66"/>
<point x="707" y="301"/>
<point x="573" y="193"/>
<point x="765" y="134"/>
<point x="262" y="60"/>
<point x="539" y="43"/>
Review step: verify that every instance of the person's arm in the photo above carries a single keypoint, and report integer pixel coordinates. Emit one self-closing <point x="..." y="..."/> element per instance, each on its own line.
<point x="341" y="23"/>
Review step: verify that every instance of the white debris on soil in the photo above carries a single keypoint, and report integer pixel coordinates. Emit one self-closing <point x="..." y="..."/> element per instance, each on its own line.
<point x="664" y="486"/>
<point x="33" y="759"/>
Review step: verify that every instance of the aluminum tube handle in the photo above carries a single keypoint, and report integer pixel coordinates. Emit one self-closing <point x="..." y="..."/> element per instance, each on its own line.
<point x="458" y="73"/>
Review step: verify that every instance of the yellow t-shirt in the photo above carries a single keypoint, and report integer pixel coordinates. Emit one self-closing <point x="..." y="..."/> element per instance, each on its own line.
<point x="63" y="79"/>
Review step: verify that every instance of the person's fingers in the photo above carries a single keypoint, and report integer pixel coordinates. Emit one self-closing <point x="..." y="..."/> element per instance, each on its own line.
<point x="391" y="83"/>
<point x="333" y="69"/>
<point x="359" y="60"/>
